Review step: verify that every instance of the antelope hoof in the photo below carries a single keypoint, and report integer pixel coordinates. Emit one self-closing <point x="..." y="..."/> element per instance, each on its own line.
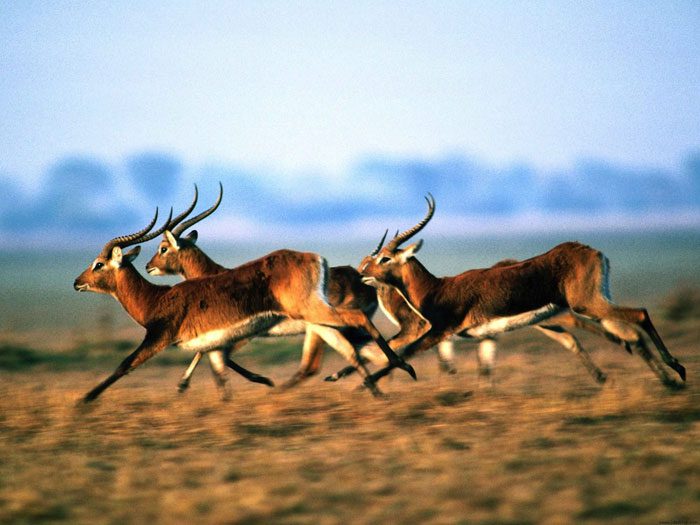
<point x="601" y="377"/>
<point x="262" y="380"/>
<point x="332" y="378"/>
<point x="403" y="365"/>
<point x="672" y="385"/>
<point x="680" y="369"/>
<point x="226" y="396"/>
<point x="484" y="372"/>
<point x="89" y="398"/>
<point x="293" y="381"/>
<point x="182" y="386"/>
<point x="447" y="367"/>
<point x="369" y="384"/>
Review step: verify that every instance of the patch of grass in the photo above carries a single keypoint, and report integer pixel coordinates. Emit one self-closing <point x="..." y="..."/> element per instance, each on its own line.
<point x="313" y="471"/>
<point x="654" y="459"/>
<point x="452" y="397"/>
<point x="351" y="498"/>
<point x="203" y="508"/>
<point x="452" y="444"/>
<point x="603" y="466"/>
<point x="291" y="510"/>
<point x="519" y="464"/>
<point x="689" y="415"/>
<point x="275" y="352"/>
<point x="155" y="444"/>
<point x="586" y="421"/>
<point x="102" y="466"/>
<point x="232" y="476"/>
<point x="541" y="442"/>
<point x="615" y="509"/>
<point x="280" y="430"/>
<point x="415" y="414"/>
<point x="48" y="514"/>
<point x="17" y="358"/>
<point x="683" y="303"/>
<point x="487" y="502"/>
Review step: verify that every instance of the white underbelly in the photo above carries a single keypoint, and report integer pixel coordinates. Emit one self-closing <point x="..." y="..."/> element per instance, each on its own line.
<point x="222" y="337"/>
<point x="505" y="324"/>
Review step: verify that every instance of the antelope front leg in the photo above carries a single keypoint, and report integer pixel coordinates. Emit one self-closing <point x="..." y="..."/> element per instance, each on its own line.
<point x="147" y="349"/>
<point x="358" y="319"/>
<point x="398" y="341"/>
<point x="427" y="340"/>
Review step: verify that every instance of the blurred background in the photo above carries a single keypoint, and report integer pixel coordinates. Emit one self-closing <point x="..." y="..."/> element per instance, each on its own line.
<point x="326" y="123"/>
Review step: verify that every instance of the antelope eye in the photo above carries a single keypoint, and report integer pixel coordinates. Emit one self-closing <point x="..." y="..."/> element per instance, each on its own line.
<point x="163" y="250"/>
<point x="384" y="260"/>
<point x="98" y="266"/>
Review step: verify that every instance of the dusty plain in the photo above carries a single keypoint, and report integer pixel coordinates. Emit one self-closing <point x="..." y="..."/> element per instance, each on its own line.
<point x="544" y="444"/>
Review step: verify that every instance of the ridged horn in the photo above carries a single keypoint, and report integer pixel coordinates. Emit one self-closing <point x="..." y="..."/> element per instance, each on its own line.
<point x="403" y="237"/>
<point x="194" y="220"/>
<point x="381" y="243"/>
<point x="177" y="220"/>
<point x="157" y="232"/>
<point x="127" y="240"/>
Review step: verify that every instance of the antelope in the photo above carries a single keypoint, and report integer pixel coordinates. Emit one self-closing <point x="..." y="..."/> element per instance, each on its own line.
<point x="557" y="330"/>
<point x="570" y="278"/>
<point x="178" y="254"/>
<point x="207" y="313"/>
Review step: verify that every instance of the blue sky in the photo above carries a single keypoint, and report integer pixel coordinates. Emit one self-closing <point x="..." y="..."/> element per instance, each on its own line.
<point x="317" y="86"/>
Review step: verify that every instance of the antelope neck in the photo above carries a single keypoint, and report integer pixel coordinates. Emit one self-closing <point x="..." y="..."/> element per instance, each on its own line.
<point x="417" y="281"/>
<point x="195" y="263"/>
<point x="138" y="296"/>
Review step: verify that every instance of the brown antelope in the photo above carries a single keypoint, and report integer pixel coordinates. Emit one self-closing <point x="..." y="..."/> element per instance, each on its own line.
<point x="571" y="277"/>
<point x="556" y="329"/>
<point x="218" y="363"/>
<point x="178" y="254"/>
<point x="210" y="312"/>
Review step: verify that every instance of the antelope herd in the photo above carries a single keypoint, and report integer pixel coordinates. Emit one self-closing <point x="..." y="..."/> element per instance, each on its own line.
<point x="214" y="311"/>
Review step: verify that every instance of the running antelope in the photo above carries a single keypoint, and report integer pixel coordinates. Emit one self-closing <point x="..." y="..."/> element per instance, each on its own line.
<point x="208" y="313"/>
<point x="571" y="277"/>
<point x="178" y="254"/>
<point x="556" y="329"/>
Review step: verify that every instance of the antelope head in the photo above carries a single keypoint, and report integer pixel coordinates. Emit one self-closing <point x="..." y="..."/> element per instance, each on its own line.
<point x="385" y="262"/>
<point x="101" y="275"/>
<point x="168" y="259"/>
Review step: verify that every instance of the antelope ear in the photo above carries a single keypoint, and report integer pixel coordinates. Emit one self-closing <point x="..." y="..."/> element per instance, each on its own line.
<point x="192" y="236"/>
<point x="172" y="240"/>
<point x="116" y="257"/>
<point x="132" y="254"/>
<point x="411" y="250"/>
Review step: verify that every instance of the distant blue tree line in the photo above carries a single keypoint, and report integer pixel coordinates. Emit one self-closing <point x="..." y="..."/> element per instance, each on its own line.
<point x="82" y="195"/>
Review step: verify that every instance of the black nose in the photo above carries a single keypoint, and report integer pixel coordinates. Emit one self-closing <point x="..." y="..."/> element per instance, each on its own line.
<point x="75" y="284"/>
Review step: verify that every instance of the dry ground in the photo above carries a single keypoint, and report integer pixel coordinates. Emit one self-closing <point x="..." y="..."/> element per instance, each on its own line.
<point x="544" y="445"/>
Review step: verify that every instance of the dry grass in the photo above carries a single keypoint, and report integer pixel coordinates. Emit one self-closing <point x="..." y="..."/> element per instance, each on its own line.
<point x="544" y="445"/>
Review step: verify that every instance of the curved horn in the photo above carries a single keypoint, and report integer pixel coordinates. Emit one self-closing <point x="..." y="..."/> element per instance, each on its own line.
<point x="157" y="232"/>
<point x="128" y="240"/>
<point x="379" y="246"/>
<point x="177" y="220"/>
<point x="194" y="220"/>
<point x="403" y="237"/>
